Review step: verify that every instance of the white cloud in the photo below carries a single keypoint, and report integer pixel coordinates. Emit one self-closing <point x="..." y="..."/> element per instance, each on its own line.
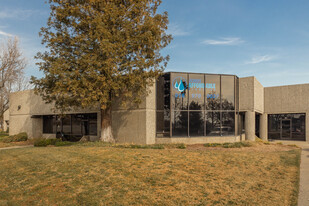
<point x="224" y="41"/>
<point x="260" y="59"/>
<point x="2" y="33"/>
<point x="18" y="13"/>
<point x="175" y="30"/>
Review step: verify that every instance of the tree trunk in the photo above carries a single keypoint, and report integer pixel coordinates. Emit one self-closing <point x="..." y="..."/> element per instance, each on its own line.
<point x="106" y="125"/>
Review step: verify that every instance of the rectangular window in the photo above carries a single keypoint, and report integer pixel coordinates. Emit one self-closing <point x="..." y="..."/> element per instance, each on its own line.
<point x="76" y="124"/>
<point x="213" y="124"/>
<point x="66" y="124"/>
<point x="196" y="123"/>
<point x="180" y="123"/>
<point x="49" y="124"/>
<point x="213" y="92"/>
<point x="179" y="92"/>
<point x="228" y="123"/>
<point x="93" y="124"/>
<point x="163" y="123"/>
<point x="228" y="92"/>
<point x="196" y="92"/>
<point x="287" y="126"/>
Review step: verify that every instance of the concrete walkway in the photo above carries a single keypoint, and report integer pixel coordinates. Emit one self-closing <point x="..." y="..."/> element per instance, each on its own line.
<point x="303" y="197"/>
<point x="15" y="147"/>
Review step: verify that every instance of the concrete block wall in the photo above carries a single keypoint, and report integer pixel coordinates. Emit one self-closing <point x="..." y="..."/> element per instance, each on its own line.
<point x="136" y="123"/>
<point x="251" y="101"/>
<point x="288" y="99"/>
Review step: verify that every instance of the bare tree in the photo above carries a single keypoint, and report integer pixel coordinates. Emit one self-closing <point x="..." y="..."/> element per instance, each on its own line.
<point x="12" y="65"/>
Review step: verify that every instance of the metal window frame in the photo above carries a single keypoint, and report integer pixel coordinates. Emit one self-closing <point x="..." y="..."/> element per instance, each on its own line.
<point x="204" y="111"/>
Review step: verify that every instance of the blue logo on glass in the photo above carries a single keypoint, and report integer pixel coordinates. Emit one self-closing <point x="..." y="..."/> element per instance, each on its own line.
<point x="179" y="84"/>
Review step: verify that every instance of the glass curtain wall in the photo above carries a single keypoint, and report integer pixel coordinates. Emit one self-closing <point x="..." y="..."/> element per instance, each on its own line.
<point x="194" y="105"/>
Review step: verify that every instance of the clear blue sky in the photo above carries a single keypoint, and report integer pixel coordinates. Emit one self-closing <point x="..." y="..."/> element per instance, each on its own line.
<point x="268" y="39"/>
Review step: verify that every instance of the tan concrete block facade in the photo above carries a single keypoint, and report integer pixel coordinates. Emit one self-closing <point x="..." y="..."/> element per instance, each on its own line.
<point x="137" y="123"/>
<point x="288" y="99"/>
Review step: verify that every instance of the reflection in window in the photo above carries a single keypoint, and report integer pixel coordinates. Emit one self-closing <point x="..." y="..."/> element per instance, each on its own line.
<point x="179" y="96"/>
<point x="163" y="92"/>
<point x="199" y="96"/>
<point x="66" y="124"/>
<point x="228" y="123"/>
<point x="286" y="126"/>
<point x="49" y="126"/>
<point x="76" y="124"/>
<point x="196" y="92"/>
<point x="213" y="124"/>
<point x="227" y="92"/>
<point x="71" y="124"/>
<point x="212" y="92"/>
<point x="196" y="123"/>
<point x="180" y="123"/>
<point x="163" y="123"/>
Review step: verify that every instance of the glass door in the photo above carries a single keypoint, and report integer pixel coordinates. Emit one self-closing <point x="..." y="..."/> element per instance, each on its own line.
<point x="286" y="129"/>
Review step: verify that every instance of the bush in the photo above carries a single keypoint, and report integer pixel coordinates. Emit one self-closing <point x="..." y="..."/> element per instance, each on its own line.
<point x="181" y="146"/>
<point x="16" y="138"/>
<point x="236" y="145"/>
<point x="21" y="137"/>
<point x="229" y="145"/>
<point x="45" y="142"/>
<point x="212" y="145"/>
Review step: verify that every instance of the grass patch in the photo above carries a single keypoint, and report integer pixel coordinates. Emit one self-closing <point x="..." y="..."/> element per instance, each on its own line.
<point x="106" y="175"/>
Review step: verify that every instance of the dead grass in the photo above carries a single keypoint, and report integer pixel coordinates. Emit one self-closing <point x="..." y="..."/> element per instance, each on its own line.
<point x="102" y="175"/>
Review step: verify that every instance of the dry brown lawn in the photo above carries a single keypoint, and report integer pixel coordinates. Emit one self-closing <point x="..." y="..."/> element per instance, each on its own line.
<point x="98" y="175"/>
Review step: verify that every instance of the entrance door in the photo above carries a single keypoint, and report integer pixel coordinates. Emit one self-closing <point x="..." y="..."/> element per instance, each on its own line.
<point x="286" y="129"/>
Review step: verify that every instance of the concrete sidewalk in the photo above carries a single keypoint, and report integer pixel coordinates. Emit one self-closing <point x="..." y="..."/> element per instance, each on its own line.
<point x="303" y="197"/>
<point x="15" y="147"/>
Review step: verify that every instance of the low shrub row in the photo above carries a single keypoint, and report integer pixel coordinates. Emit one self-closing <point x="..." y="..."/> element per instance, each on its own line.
<point x="229" y="145"/>
<point x="16" y="138"/>
<point x="56" y="142"/>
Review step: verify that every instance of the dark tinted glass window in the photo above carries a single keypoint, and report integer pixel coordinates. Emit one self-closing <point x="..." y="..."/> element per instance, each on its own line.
<point x="286" y="126"/>
<point x="66" y="124"/>
<point x="212" y="92"/>
<point x="179" y="91"/>
<point x="196" y="92"/>
<point x="160" y="93"/>
<point x="49" y="124"/>
<point x="93" y="124"/>
<point x="298" y="127"/>
<point x="163" y="123"/>
<point x="228" y="123"/>
<point x="213" y="124"/>
<point x="180" y="123"/>
<point x="228" y="92"/>
<point x="196" y="123"/>
<point x="76" y="124"/>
